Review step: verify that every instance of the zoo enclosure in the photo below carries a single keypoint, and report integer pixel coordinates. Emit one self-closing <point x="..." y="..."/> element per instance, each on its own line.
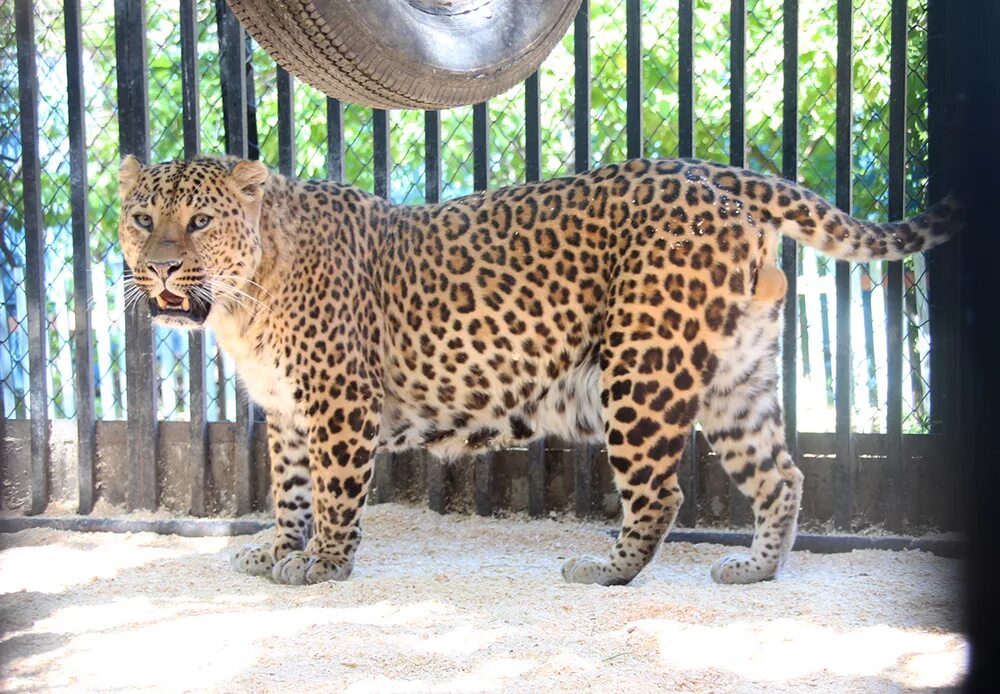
<point x="839" y="94"/>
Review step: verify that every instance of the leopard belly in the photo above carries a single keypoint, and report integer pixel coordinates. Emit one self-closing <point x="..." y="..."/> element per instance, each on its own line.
<point x="568" y="406"/>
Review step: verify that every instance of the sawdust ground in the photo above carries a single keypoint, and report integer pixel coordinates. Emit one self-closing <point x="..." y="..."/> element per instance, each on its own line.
<point x="466" y="604"/>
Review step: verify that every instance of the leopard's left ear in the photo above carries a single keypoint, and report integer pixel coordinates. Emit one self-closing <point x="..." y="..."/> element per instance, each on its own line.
<point x="128" y="175"/>
<point x="247" y="179"/>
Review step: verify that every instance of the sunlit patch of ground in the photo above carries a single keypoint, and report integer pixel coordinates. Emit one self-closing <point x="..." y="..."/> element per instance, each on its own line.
<point x="457" y="604"/>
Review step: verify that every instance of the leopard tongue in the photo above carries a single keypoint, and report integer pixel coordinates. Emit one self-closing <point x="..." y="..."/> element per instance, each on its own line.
<point x="168" y="300"/>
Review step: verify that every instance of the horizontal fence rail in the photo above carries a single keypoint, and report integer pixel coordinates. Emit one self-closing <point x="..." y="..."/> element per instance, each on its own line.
<point x="868" y="403"/>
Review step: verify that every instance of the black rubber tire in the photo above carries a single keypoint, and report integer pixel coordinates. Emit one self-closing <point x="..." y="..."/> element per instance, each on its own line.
<point x="426" y="54"/>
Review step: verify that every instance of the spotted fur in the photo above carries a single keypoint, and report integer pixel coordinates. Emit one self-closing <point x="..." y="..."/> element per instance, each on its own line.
<point x="617" y="306"/>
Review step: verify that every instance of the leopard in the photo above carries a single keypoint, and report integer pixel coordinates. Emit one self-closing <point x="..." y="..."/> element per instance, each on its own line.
<point x="615" y="307"/>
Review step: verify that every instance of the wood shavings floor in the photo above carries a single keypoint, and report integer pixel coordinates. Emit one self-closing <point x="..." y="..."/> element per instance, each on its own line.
<point x="456" y="604"/>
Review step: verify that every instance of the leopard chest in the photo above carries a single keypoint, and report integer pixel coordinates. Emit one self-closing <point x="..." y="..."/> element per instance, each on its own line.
<point x="258" y="370"/>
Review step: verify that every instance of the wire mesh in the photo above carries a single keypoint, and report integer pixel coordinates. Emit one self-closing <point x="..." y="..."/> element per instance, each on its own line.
<point x="817" y="41"/>
<point x="13" y="323"/>
<point x="659" y="79"/>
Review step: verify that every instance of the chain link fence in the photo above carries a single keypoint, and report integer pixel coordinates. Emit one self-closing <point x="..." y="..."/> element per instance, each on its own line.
<point x="506" y="163"/>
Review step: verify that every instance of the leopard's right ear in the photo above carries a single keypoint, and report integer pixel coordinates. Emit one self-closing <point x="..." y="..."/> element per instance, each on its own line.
<point x="128" y="175"/>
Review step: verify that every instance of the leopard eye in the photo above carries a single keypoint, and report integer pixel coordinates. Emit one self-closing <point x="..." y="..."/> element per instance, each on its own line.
<point x="143" y="221"/>
<point x="199" y="222"/>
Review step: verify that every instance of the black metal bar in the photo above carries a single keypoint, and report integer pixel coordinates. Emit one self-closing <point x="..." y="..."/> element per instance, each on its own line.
<point x="253" y="138"/>
<point x="584" y="477"/>
<point x="82" y="290"/>
<point x="685" y="76"/>
<point x="432" y="156"/>
<point x="481" y="146"/>
<point x="228" y="527"/>
<point x="437" y="484"/>
<point x="687" y="475"/>
<point x="789" y="250"/>
<point x="843" y="478"/>
<point x="190" y="78"/>
<point x="737" y="82"/>
<point x="633" y="78"/>
<point x="895" y="513"/>
<point x="382" y="153"/>
<point x="581" y="87"/>
<point x="335" y="139"/>
<point x="533" y="172"/>
<point x="133" y="129"/>
<point x="197" y="362"/>
<point x="382" y="478"/>
<point x="688" y="471"/>
<point x="943" y="263"/>
<point x="232" y="56"/>
<point x="286" y="123"/>
<point x="484" y="480"/>
<point x="34" y="272"/>
<point x="536" y="478"/>
<point x="739" y="508"/>
<point x="483" y="469"/>
<point x="437" y="473"/>
<point x="532" y="129"/>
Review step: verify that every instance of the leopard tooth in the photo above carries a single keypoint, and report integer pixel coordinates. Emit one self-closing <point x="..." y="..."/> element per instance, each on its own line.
<point x="185" y="304"/>
<point x="162" y="302"/>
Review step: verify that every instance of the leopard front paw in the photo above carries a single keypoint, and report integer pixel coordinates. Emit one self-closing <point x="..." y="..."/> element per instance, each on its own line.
<point x="303" y="566"/>
<point x="254" y="560"/>
<point x="739" y="568"/>
<point x="591" y="570"/>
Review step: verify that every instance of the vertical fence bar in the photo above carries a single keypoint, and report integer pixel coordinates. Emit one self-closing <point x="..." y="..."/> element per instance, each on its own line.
<point x="133" y="128"/>
<point x="688" y="470"/>
<point x="233" y="60"/>
<point x="437" y="477"/>
<point x="381" y="152"/>
<point x="943" y="262"/>
<point x="432" y="156"/>
<point x="34" y="272"/>
<point x="739" y="510"/>
<point x="737" y="82"/>
<point x="582" y="454"/>
<point x="581" y="87"/>
<point x="198" y="399"/>
<point x="335" y="139"/>
<point x="82" y="289"/>
<point x="532" y="129"/>
<point x="789" y="250"/>
<point x="843" y="481"/>
<point x="382" y="163"/>
<point x="481" y="146"/>
<point x="533" y="172"/>
<point x="895" y="508"/>
<point x="286" y="123"/>
<point x="685" y="77"/>
<point x="483" y="472"/>
<point x="633" y="78"/>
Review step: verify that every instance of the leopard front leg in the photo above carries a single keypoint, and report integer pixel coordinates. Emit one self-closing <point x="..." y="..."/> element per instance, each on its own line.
<point x="342" y="438"/>
<point x="291" y="496"/>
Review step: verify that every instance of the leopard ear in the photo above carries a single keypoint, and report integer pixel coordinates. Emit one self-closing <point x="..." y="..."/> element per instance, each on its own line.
<point x="247" y="178"/>
<point x="128" y="175"/>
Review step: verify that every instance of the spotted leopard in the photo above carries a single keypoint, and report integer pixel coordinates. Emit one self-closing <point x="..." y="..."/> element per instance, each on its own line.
<point x="614" y="307"/>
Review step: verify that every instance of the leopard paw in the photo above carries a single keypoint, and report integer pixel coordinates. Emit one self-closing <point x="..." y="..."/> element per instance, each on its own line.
<point x="254" y="560"/>
<point x="591" y="570"/>
<point x="739" y="568"/>
<point x="302" y="567"/>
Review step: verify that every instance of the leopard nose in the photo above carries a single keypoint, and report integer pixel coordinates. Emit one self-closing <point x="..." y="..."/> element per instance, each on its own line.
<point x="164" y="268"/>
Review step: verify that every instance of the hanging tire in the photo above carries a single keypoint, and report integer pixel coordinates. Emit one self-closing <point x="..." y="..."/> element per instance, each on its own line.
<point x="426" y="54"/>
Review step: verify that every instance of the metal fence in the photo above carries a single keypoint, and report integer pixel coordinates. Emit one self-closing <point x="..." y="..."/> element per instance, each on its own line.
<point x="838" y="94"/>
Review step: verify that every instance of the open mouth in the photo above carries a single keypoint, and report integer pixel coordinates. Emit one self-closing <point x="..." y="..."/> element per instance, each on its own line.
<point x="169" y="305"/>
